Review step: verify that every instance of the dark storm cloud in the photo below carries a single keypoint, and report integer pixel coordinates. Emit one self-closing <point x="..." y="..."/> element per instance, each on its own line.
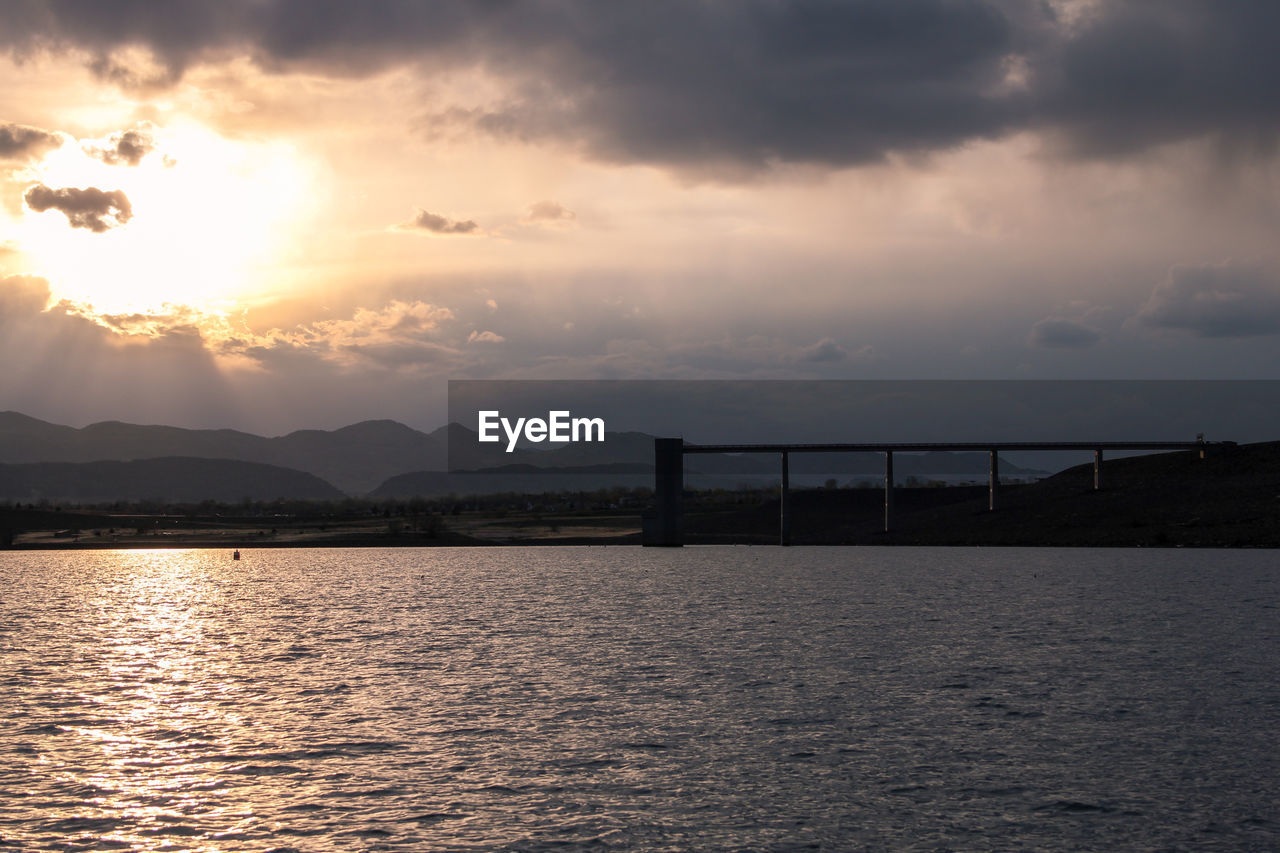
<point x="437" y="224"/>
<point x="177" y="32"/>
<point x="126" y="148"/>
<point x="1225" y="300"/>
<point x="91" y="208"/>
<point x="1060" y="333"/>
<point x="17" y="141"/>
<point x="1143" y="73"/>
<point x="740" y="85"/>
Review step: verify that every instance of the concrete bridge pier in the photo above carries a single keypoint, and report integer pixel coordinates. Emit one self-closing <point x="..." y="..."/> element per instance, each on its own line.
<point x="994" y="491"/>
<point x="784" y="521"/>
<point x="665" y="528"/>
<point x="888" y="490"/>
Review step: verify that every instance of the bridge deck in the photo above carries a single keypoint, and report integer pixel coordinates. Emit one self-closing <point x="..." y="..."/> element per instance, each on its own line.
<point x="883" y="447"/>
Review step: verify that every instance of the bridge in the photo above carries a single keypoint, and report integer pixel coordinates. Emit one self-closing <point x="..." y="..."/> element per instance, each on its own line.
<point x="666" y="526"/>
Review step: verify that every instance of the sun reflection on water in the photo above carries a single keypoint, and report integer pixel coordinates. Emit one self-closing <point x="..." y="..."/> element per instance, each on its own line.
<point x="151" y="700"/>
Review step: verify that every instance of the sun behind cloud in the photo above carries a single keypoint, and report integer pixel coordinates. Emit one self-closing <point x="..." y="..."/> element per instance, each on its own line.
<point x="209" y="215"/>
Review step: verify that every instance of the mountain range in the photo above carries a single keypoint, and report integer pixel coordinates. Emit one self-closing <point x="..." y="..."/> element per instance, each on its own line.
<point x="379" y="458"/>
<point x="354" y="458"/>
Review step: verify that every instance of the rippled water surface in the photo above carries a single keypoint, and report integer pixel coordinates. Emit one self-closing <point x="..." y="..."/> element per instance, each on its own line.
<point x="620" y="698"/>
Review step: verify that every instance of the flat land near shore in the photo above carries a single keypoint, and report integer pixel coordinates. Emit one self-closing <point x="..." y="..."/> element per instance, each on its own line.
<point x="1170" y="499"/>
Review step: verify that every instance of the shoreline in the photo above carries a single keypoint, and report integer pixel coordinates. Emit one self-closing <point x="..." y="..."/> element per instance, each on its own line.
<point x="1168" y="501"/>
<point x="616" y="542"/>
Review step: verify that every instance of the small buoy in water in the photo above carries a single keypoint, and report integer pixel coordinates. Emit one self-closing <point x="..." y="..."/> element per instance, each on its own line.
<point x="235" y="555"/>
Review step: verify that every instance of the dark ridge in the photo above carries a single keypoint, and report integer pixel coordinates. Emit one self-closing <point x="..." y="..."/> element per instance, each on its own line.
<point x="167" y="479"/>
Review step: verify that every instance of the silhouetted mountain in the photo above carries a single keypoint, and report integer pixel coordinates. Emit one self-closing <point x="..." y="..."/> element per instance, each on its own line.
<point x="167" y="479"/>
<point x="355" y="458"/>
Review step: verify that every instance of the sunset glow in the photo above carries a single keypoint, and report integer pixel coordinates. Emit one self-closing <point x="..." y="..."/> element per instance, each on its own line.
<point x="210" y="217"/>
<point x="868" y="190"/>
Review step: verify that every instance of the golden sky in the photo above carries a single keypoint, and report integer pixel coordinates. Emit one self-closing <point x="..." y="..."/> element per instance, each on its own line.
<point x="273" y="215"/>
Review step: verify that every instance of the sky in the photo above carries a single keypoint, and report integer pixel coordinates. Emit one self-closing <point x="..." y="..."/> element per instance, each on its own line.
<point x="282" y="214"/>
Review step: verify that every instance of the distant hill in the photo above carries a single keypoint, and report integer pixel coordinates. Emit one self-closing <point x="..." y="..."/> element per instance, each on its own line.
<point x="169" y="479"/>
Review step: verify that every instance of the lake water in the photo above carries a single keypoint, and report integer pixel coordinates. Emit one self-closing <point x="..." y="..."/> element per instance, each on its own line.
<point x="721" y="698"/>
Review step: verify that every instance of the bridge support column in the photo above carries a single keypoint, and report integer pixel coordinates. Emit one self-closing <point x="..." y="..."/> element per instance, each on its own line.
<point x="888" y="490"/>
<point x="784" y="521"/>
<point x="1097" y="469"/>
<point x="994" y="491"/>
<point x="666" y="526"/>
